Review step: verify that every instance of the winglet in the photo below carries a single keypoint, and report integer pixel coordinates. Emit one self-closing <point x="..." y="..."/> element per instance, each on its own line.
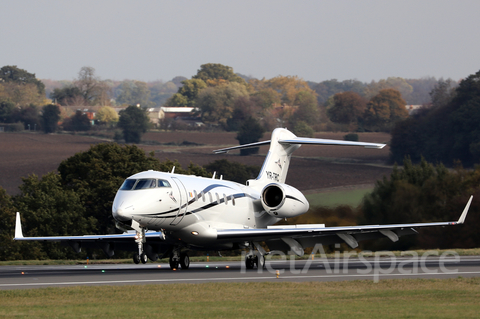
<point x="18" y="227"/>
<point x="461" y="220"/>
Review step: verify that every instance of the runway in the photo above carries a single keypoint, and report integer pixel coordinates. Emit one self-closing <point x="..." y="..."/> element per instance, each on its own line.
<point x="374" y="268"/>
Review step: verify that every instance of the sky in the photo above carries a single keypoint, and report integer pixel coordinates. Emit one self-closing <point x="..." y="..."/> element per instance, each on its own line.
<point x="317" y="40"/>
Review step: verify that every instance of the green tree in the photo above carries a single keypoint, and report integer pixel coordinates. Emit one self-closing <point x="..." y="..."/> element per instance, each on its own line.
<point x="77" y="122"/>
<point x="48" y="210"/>
<point x="187" y="94"/>
<point x="7" y="109"/>
<point x="50" y="118"/>
<point x="216" y="71"/>
<point x="11" y="73"/>
<point x="9" y="249"/>
<point x="107" y="114"/>
<point x="134" y="121"/>
<point x="307" y="108"/>
<point x="425" y="193"/>
<point x="133" y="93"/>
<point x="95" y="175"/>
<point x="68" y="95"/>
<point x="448" y="131"/>
<point x="250" y="132"/>
<point x="217" y="103"/>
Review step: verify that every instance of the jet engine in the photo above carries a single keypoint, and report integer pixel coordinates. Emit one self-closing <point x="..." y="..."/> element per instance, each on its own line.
<point x="283" y="201"/>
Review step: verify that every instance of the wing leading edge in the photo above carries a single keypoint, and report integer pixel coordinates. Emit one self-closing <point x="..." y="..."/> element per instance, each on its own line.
<point x="349" y="234"/>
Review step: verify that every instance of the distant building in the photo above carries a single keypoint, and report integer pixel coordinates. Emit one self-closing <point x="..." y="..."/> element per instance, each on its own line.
<point x="412" y="108"/>
<point x="159" y="113"/>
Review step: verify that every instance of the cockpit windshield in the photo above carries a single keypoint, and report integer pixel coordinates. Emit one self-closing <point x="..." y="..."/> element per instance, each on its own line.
<point x="144" y="183"/>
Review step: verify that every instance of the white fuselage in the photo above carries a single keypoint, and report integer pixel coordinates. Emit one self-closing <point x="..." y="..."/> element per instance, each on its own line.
<point x="189" y="206"/>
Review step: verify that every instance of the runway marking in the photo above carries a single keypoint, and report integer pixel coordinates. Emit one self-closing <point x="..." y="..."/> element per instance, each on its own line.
<point x="227" y="279"/>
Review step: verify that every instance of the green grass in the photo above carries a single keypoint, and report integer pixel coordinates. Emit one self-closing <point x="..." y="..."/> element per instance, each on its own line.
<point x="334" y="198"/>
<point x="423" y="298"/>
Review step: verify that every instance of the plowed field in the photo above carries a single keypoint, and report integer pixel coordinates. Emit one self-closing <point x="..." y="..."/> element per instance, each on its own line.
<point x="313" y="167"/>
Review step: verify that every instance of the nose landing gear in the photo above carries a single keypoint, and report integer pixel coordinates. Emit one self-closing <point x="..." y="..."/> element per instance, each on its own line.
<point x="140" y="240"/>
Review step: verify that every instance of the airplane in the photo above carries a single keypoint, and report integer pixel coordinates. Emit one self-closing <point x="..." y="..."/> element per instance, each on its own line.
<point x="164" y="214"/>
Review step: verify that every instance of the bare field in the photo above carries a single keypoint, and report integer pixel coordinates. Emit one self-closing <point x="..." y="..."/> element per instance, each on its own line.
<point x="313" y="168"/>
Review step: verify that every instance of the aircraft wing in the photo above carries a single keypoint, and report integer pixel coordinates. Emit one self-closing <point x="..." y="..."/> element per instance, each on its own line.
<point x="309" y="234"/>
<point x="125" y="241"/>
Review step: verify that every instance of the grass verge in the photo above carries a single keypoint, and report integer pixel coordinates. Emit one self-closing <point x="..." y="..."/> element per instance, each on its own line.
<point x="447" y="298"/>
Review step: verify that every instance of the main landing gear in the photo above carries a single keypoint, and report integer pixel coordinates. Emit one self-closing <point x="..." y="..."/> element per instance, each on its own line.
<point x="255" y="257"/>
<point x="179" y="258"/>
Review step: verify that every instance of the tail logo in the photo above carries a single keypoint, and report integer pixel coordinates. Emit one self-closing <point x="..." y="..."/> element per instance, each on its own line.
<point x="279" y="163"/>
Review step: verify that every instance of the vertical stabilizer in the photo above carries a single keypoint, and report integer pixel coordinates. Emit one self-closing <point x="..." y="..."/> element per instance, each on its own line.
<point x="275" y="167"/>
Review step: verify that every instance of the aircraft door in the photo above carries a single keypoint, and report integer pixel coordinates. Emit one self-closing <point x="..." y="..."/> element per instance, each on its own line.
<point x="182" y="201"/>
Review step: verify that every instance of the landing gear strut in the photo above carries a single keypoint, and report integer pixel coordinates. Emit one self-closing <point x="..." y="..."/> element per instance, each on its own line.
<point x="255" y="257"/>
<point x="140" y="240"/>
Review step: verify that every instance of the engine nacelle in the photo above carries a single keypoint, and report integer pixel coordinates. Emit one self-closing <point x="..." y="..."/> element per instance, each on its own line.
<point x="283" y="201"/>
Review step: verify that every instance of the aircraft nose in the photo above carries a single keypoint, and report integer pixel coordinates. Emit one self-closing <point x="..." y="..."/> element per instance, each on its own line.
<point x="119" y="214"/>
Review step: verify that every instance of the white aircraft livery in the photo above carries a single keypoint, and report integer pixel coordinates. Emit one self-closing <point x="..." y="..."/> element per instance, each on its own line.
<point x="167" y="214"/>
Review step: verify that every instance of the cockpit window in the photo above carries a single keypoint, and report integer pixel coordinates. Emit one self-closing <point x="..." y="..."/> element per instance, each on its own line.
<point x="128" y="184"/>
<point x="146" y="183"/>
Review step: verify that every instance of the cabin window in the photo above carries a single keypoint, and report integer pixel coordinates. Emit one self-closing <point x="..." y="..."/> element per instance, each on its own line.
<point x="233" y="199"/>
<point x="218" y="198"/>
<point x="203" y="197"/>
<point x="210" y="195"/>
<point x="225" y="199"/>
<point x="194" y="195"/>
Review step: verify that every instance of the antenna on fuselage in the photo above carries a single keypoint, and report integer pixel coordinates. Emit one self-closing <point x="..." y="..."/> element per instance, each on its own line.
<point x="214" y="173"/>
<point x="173" y="170"/>
<point x="221" y="177"/>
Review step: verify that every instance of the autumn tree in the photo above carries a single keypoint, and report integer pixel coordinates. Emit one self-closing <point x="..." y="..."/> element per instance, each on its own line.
<point x="77" y="122"/>
<point x="384" y="109"/>
<point x="348" y="108"/>
<point x="287" y="86"/>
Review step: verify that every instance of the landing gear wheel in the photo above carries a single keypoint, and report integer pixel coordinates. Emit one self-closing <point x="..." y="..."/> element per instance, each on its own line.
<point x="143" y="258"/>
<point x="250" y="262"/>
<point x="184" y="261"/>
<point x="136" y="258"/>
<point x="173" y="263"/>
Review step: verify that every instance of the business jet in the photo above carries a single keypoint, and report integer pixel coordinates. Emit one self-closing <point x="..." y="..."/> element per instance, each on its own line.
<point x="164" y="214"/>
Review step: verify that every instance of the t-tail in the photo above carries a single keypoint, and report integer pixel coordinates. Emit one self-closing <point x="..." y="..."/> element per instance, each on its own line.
<point x="282" y="144"/>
